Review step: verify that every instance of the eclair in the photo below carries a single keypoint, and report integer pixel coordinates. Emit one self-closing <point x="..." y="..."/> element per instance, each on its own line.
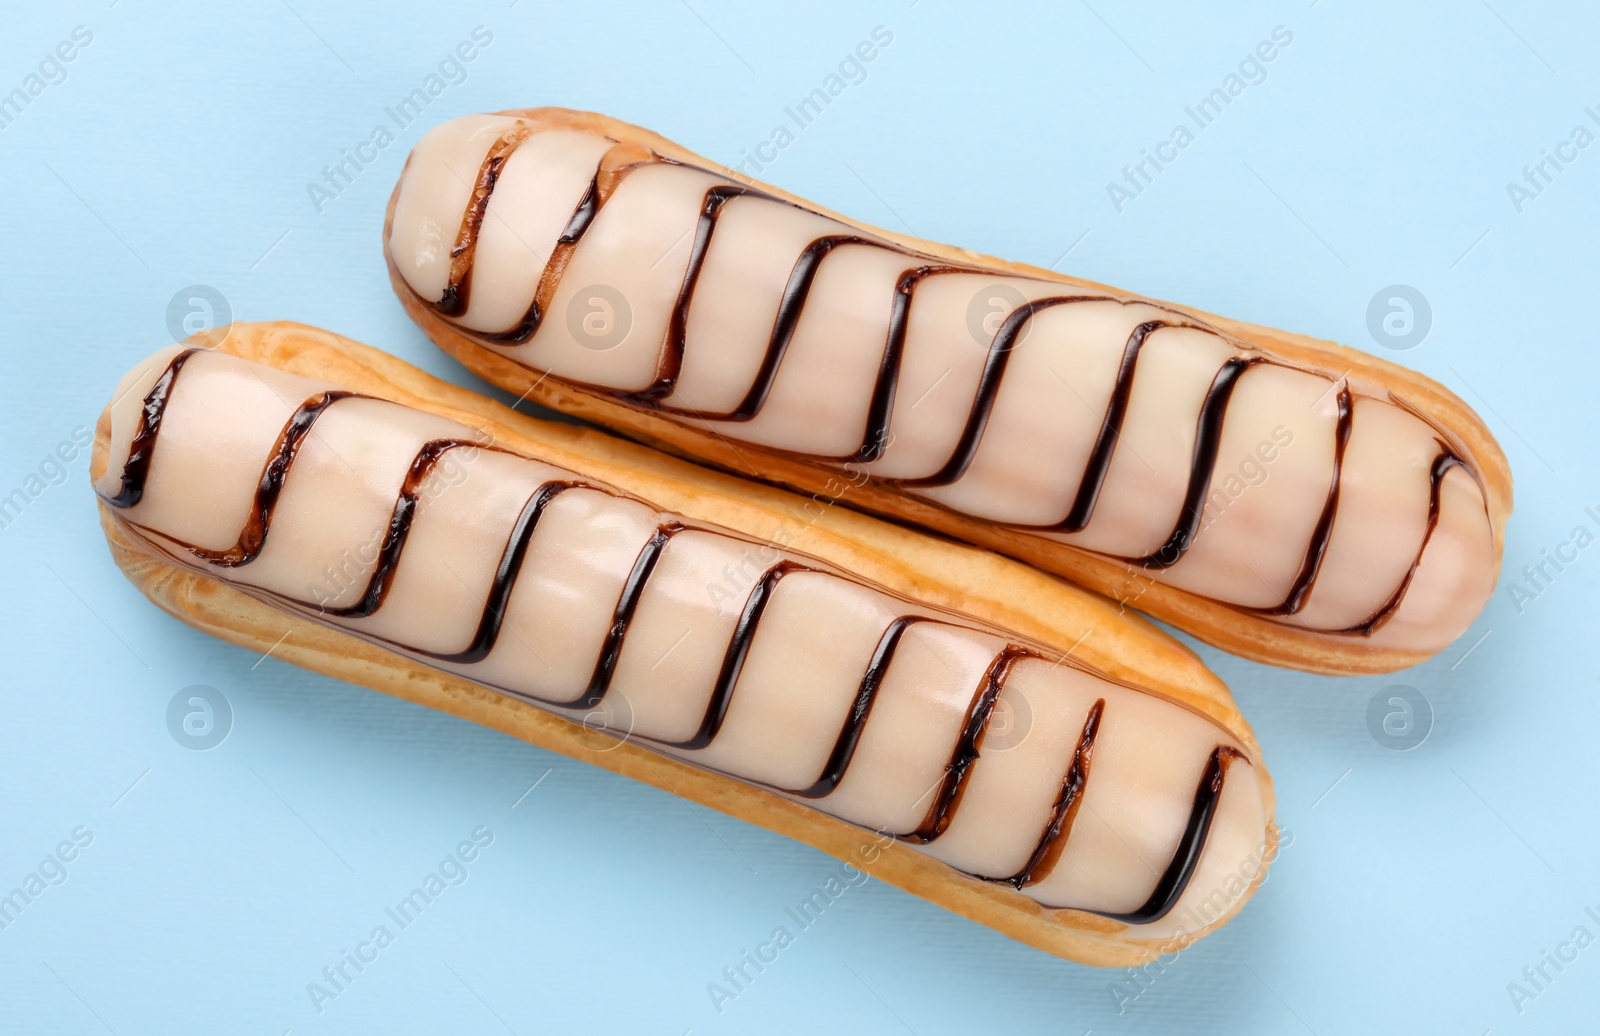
<point x="975" y="732"/>
<point x="1287" y="499"/>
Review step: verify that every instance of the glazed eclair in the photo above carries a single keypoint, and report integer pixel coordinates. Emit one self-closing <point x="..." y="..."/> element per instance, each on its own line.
<point x="1290" y="500"/>
<point x="803" y="669"/>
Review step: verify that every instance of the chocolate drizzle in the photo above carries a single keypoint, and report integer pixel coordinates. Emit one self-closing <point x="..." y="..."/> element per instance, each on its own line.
<point x="505" y="575"/>
<point x="136" y="471"/>
<point x="1323" y="532"/>
<point x="957" y="772"/>
<point x="394" y="541"/>
<point x="1442" y="464"/>
<point x="627" y="603"/>
<point x="959" y="768"/>
<point x="614" y="164"/>
<point x="994" y="368"/>
<point x="582" y="216"/>
<point x="744" y="632"/>
<point x="1186" y="858"/>
<point x="671" y="364"/>
<point x="1056" y="831"/>
<point x="254" y="535"/>
<point x="795" y="294"/>
<point x="1105" y="444"/>
<point x="844" y="749"/>
<point x="458" y="290"/>
<point x="880" y="405"/>
<point x="1208" y="437"/>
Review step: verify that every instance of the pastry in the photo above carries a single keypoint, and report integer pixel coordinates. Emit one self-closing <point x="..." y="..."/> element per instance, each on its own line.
<point x="1290" y="500"/>
<point x="953" y="722"/>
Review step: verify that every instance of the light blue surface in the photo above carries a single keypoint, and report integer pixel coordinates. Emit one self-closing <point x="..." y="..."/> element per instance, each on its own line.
<point x="218" y="884"/>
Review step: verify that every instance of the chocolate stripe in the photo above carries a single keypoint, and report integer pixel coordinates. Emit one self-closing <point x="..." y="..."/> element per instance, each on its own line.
<point x="954" y="785"/>
<point x="1186" y="858"/>
<point x="579" y="222"/>
<point x="994" y="369"/>
<point x="880" y="408"/>
<point x="844" y="748"/>
<point x="733" y="660"/>
<point x="1441" y="467"/>
<point x="671" y="362"/>
<point x="627" y="604"/>
<point x="1317" y="549"/>
<point x="601" y="187"/>
<point x="458" y="290"/>
<point x="1059" y="827"/>
<point x="253" y="537"/>
<point x="583" y="215"/>
<point x="1105" y="443"/>
<point x="142" y="448"/>
<point x="505" y="575"/>
<point x="1208" y="437"/>
<point x="795" y="294"/>
<point x="400" y="519"/>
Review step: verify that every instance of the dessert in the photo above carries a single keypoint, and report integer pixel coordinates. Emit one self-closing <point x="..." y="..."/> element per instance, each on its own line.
<point x="1292" y="501"/>
<point x="887" y="697"/>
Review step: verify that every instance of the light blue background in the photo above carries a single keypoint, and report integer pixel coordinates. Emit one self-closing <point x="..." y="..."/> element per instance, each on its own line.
<point x="1377" y="152"/>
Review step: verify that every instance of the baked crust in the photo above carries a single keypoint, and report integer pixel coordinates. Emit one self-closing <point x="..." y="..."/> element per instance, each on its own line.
<point x="926" y="569"/>
<point x="1232" y="629"/>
